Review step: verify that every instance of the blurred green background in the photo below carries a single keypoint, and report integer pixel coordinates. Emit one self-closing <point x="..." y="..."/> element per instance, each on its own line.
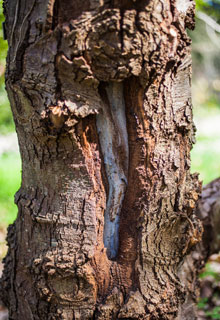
<point x="206" y="91"/>
<point x="10" y="164"/>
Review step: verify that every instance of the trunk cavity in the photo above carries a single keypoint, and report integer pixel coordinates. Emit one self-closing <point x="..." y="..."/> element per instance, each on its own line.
<point x="113" y="137"/>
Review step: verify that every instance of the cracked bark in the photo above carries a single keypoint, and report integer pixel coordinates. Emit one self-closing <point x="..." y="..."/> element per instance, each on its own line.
<point x="208" y="211"/>
<point x="100" y="92"/>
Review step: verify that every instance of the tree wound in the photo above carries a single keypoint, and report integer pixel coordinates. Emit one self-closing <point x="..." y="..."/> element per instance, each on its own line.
<point x="113" y="137"/>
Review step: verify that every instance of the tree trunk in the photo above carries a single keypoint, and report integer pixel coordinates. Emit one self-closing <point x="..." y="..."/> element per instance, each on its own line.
<point x="208" y="211"/>
<point x="100" y="92"/>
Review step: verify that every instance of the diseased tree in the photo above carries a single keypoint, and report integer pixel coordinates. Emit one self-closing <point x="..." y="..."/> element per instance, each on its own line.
<point x="100" y="93"/>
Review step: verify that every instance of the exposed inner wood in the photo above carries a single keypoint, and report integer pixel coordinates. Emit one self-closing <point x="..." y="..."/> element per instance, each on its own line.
<point x="113" y="137"/>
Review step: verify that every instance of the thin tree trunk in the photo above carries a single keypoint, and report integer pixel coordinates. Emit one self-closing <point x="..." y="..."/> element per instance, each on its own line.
<point x="100" y="92"/>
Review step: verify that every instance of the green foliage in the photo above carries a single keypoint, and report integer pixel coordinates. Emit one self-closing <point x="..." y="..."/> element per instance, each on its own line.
<point x="205" y="159"/>
<point x="214" y="313"/>
<point x="202" y="303"/>
<point x="210" y="272"/>
<point x="205" y="154"/>
<point x="210" y="279"/>
<point x="201" y="5"/>
<point x="210" y="7"/>
<point x="3" y="43"/>
<point x="6" y="121"/>
<point x="10" y="180"/>
<point x="206" y="95"/>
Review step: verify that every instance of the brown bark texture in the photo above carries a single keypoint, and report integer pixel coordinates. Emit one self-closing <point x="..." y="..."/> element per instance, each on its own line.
<point x="100" y="93"/>
<point x="208" y="211"/>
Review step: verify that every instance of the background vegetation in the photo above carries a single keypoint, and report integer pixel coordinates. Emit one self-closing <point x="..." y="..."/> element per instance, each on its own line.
<point x="206" y="93"/>
<point x="6" y="121"/>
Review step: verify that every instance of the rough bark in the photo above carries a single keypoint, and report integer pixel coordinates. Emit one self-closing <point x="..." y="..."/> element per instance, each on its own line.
<point x="208" y="211"/>
<point x="100" y="92"/>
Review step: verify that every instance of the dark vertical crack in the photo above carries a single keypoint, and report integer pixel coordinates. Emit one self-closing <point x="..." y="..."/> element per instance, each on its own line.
<point x="55" y="14"/>
<point x="121" y="30"/>
<point x="56" y="71"/>
<point x="20" y="47"/>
